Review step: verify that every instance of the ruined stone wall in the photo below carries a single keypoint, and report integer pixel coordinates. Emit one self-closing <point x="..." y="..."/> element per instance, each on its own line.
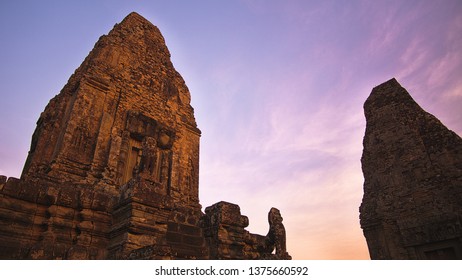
<point x="53" y="221"/>
<point x="144" y="219"/>
<point x="412" y="165"/>
<point x="227" y="238"/>
<point x="222" y="228"/>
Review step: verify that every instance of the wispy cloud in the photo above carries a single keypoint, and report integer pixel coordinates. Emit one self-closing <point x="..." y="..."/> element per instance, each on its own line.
<point x="305" y="162"/>
<point x="278" y="89"/>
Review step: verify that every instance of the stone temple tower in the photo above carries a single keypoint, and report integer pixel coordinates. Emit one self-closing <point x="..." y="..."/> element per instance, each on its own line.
<point x="118" y="143"/>
<point x="113" y="167"/>
<point x="412" y="165"/>
<point x="125" y="113"/>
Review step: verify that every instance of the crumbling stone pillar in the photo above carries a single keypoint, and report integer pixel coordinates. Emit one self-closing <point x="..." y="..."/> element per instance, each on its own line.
<point x="412" y="165"/>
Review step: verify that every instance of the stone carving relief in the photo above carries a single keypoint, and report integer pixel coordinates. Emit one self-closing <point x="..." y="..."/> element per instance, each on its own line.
<point x="80" y="139"/>
<point x="148" y="150"/>
<point x="133" y="160"/>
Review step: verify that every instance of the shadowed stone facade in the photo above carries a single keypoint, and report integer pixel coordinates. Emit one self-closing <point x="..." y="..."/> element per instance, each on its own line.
<point x="412" y="165"/>
<point x="113" y="168"/>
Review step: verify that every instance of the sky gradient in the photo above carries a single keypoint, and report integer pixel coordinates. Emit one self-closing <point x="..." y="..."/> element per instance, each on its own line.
<point x="277" y="86"/>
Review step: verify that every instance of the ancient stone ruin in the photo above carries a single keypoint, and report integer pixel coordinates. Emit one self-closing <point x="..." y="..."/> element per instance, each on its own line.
<point x="412" y="165"/>
<point x="113" y="168"/>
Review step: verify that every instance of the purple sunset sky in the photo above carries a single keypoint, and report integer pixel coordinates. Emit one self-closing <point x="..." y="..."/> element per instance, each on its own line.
<point x="277" y="86"/>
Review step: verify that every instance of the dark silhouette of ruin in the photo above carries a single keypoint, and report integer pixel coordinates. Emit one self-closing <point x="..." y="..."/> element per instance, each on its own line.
<point x="412" y="165"/>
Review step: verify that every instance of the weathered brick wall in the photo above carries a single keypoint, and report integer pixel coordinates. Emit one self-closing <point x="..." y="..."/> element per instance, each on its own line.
<point x="48" y="221"/>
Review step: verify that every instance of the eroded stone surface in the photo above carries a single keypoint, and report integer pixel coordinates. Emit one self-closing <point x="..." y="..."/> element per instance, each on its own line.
<point x="225" y="233"/>
<point x="412" y="165"/>
<point x="113" y="168"/>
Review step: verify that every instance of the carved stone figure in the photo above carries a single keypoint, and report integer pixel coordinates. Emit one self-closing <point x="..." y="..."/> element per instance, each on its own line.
<point x="277" y="233"/>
